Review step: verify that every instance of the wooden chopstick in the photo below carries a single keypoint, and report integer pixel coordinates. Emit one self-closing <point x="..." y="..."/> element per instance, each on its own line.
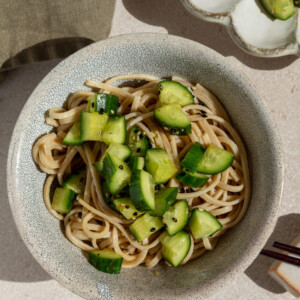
<point x="288" y="259"/>
<point x="291" y="249"/>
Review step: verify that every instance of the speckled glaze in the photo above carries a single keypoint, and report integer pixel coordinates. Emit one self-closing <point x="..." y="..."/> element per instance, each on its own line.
<point x="250" y="26"/>
<point x="161" y="55"/>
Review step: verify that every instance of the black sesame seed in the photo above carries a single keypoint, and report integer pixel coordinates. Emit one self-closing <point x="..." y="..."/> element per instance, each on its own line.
<point x="191" y="190"/>
<point x="136" y="131"/>
<point x="119" y="104"/>
<point x="138" y="150"/>
<point x="135" y="213"/>
<point x="152" y="229"/>
<point x="188" y="170"/>
<point x="121" y="167"/>
<point x="160" y="87"/>
<point x="127" y="206"/>
<point x="141" y="136"/>
<point x="174" y="219"/>
<point x="101" y="111"/>
<point x="158" y="92"/>
<point x="173" y="130"/>
<point x="93" y="104"/>
<point x="182" y="190"/>
<point x="157" y="187"/>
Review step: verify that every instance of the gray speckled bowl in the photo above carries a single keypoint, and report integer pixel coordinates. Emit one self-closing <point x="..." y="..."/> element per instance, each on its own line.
<point x="161" y="55"/>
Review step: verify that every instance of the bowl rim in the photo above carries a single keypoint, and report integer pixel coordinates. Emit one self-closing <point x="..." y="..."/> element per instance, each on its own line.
<point x="49" y="80"/>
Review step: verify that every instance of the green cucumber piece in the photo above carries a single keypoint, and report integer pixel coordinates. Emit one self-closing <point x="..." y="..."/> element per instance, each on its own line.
<point x="279" y="9"/>
<point x="195" y="180"/>
<point x="76" y="181"/>
<point x="109" y="197"/>
<point x="142" y="190"/>
<point x="173" y="119"/>
<point x="215" y="160"/>
<point x="103" y="103"/>
<point x="159" y="165"/>
<point x="176" y="217"/>
<point x="106" y="260"/>
<point x="62" y="200"/>
<point x="137" y="142"/>
<point x="116" y="173"/>
<point x="203" y="224"/>
<point x="174" y="92"/>
<point x="136" y="163"/>
<point x="126" y="208"/>
<point x="120" y="151"/>
<point x="164" y="198"/>
<point x="114" y="131"/>
<point x="73" y="136"/>
<point x="193" y="157"/>
<point x="91" y="126"/>
<point x="145" y="226"/>
<point x="175" y="248"/>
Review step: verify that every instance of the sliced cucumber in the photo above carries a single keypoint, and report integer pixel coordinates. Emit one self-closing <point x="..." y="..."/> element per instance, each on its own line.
<point x="116" y="172"/>
<point x="137" y="163"/>
<point x="159" y="165"/>
<point x="126" y="208"/>
<point x="62" y="200"/>
<point x="137" y="142"/>
<point x="142" y="190"/>
<point x="215" y="160"/>
<point x="173" y="120"/>
<point x="175" y="248"/>
<point x="106" y="260"/>
<point x="163" y="200"/>
<point x="203" y="224"/>
<point x="279" y="9"/>
<point x="193" y="157"/>
<point x="109" y="197"/>
<point x="195" y="180"/>
<point x="76" y="181"/>
<point x="103" y="103"/>
<point x="174" y="92"/>
<point x="120" y="151"/>
<point x="145" y="226"/>
<point x="73" y="136"/>
<point x="91" y="126"/>
<point x="176" y="217"/>
<point x="114" y="131"/>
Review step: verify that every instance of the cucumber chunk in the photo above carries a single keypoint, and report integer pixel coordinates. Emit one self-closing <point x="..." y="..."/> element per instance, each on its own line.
<point x="73" y="136"/>
<point x="137" y="142"/>
<point x="76" y="181"/>
<point x="193" y="157"/>
<point x="215" y="160"/>
<point x="91" y="126"/>
<point x="174" y="92"/>
<point x="163" y="200"/>
<point x="106" y="260"/>
<point x="137" y="163"/>
<point x="175" y="248"/>
<point x="176" y="217"/>
<point x="203" y="224"/>
<point x="116" y="173"/>
<point x="142" y="190"/>
<point x="103" y="103"/>
<point x="173" y="120"/>
<point x="109" y="197"/>
<point x="159" y="165"/>
<point x="114" y="131"/>
<point x="62" y="200"/>
<point x="126" y="208"/>
<point x="195" y="180"/>
<point x="120" y="151"/>
<point x="145" y="226"/>
<point x="279" y="9"/>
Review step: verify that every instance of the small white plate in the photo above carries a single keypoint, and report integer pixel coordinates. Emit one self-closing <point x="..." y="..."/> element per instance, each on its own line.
<point x="250" y="26"/>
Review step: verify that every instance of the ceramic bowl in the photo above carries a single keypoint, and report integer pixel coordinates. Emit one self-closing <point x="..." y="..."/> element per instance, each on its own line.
<point x="250" y="26"/>
<point x="160" y="55"/>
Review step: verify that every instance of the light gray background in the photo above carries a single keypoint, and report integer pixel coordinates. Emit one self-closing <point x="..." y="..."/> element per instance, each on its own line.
<point x="277" y="80"/>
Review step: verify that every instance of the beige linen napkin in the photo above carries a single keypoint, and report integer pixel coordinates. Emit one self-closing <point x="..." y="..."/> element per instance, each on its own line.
<point x="37" y="30"/>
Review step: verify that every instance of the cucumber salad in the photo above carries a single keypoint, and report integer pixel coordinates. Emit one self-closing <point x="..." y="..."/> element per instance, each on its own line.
<point x="143" y="174"/>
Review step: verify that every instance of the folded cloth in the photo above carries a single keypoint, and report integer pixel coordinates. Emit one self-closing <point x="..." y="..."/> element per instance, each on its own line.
<point x="35" y="30"/>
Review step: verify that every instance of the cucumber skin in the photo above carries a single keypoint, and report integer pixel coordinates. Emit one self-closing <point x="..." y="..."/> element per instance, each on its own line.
<point x="136" y="192"/>
<point x="275" y="16"/>
<point x="106" y="265"/>
<point x="193" y="157"/>
<point x="63" y="208"/>
<point x="77" y="141"/>
<point x="137" y="163"/>
<point x="74" y="183"/>
<point x="190" y="180"/>
<point x="134" y="145"/>
<point x="109" y="138"/>
<point x="188" y="249"/>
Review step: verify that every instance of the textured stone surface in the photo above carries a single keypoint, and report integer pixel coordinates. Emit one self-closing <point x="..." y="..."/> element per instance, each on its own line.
<point x="22" y="277"/>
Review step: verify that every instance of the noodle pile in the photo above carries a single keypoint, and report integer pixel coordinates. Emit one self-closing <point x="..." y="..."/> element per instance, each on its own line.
<point x="92" y="224"/>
